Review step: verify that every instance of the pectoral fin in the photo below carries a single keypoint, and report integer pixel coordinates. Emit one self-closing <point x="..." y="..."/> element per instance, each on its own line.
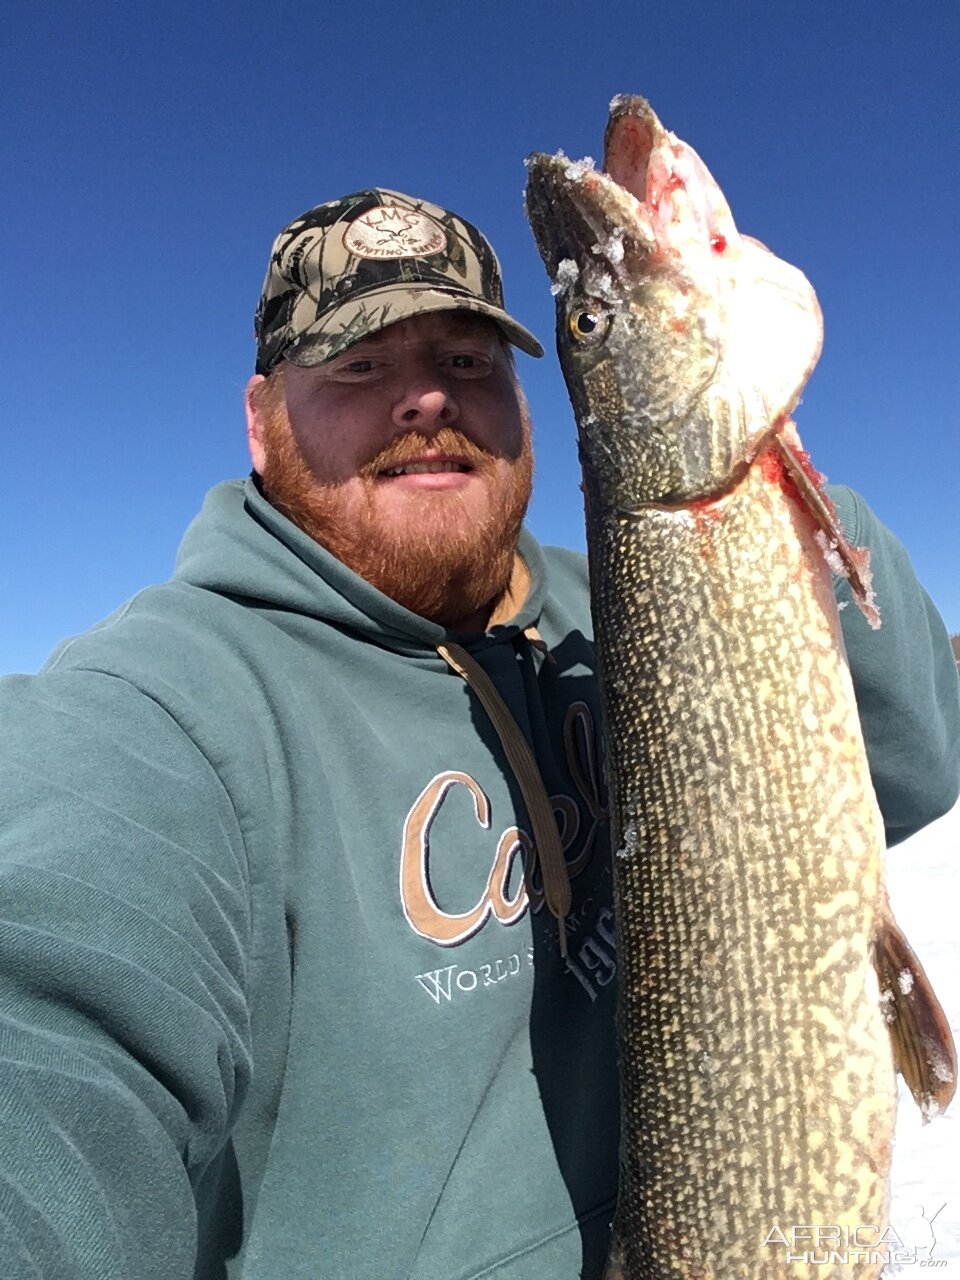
<point x="923" y="1045"/>
<point x="852" y="562"/>
<point x="614" y="1269"/>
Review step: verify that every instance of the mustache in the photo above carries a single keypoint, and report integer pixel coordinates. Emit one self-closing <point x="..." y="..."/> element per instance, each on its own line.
<point x="414" y="444"/>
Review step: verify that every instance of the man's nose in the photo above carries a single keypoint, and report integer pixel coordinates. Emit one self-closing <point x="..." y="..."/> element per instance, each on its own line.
<point x="426" y="403"/>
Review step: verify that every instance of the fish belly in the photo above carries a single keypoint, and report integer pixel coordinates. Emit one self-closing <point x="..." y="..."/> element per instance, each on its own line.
<point x="757" y="1082"/>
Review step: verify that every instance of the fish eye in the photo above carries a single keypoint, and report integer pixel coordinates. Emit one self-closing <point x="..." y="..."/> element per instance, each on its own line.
<point x="588" y="324"/>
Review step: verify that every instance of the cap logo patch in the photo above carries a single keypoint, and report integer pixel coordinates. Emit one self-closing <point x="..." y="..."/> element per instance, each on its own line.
<point x="389" y="231"/>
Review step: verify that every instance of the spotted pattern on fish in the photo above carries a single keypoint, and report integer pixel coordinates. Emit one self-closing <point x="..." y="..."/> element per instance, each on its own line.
<point x="748" y="783"/>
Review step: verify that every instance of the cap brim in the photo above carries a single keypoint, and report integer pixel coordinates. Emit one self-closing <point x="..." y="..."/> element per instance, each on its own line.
<point x="356" y="319"/>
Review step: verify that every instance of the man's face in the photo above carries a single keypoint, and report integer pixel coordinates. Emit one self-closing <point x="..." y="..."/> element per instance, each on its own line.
<point x="408" y="456"/>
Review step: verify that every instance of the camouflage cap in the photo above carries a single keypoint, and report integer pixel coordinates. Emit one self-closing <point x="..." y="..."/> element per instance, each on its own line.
<point x="352" y="266"/>
<point x="355" y="265"/>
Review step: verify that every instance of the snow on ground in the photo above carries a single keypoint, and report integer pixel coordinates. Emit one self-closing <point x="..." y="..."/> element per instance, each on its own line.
<point x="923" y="875"/>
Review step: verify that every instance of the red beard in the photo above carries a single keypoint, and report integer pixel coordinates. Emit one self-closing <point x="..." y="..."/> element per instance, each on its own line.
<point x="446" y="577"/>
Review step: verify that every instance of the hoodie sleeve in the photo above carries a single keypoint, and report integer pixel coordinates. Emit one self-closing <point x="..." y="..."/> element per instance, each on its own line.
<point x="905" y="679"/>
<point x="124" y="1037"/>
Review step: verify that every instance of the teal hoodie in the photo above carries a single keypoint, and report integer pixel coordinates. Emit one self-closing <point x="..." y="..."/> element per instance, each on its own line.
<point x="275" y="1000"/>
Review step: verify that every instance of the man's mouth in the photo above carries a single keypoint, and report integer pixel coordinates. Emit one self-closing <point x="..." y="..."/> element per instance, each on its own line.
<point x="433" y="466"/>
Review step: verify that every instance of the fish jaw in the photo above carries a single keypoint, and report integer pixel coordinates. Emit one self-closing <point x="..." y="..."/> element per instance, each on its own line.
<point x="637" y="354"/>
<point x="688" y="214"/>
<point x="698" y="340"/>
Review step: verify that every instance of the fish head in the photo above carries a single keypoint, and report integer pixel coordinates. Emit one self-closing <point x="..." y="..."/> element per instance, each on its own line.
<point x="683" y="343"/>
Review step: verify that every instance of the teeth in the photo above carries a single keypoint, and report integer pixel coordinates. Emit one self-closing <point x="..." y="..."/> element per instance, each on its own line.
<point x="423" y="468"/>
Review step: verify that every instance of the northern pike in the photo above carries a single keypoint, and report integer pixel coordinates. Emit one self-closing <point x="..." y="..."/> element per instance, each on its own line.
<point x="766" y="994"/>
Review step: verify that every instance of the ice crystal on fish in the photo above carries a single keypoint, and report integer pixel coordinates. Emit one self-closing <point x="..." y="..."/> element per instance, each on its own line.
<point x="599" y="284"/>
<point x="941" y="1069"/>
<point x="576" y="169"/>
<point x="831" y="555"/>
<point x="568" y="273"/>
<point x="905" y="981"/>
<point x="618" y="99"/>
<point x="888" y="1006"/>
<point x="613" y="249"/>
<point x="630" y="842"/>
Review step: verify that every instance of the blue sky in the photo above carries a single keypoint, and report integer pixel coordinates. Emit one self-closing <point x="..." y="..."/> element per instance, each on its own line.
<point x="152" y="151"/>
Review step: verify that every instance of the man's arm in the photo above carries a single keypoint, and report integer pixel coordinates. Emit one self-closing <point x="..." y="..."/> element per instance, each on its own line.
<point x="124" y="1038"/>
<point x="905" y="679"/>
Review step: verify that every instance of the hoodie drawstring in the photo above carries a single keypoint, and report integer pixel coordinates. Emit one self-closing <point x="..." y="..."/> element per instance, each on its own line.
<point x="553" y="864"/>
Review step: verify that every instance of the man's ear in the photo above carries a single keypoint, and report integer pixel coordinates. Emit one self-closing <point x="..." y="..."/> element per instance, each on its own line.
<point x="255" y="423"/>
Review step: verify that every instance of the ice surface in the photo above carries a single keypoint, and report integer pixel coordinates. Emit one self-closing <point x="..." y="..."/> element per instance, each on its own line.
<point x="923" y="875"/>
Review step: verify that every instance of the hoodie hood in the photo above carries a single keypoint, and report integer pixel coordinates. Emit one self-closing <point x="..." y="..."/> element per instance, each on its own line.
<point x="241" y="547"/>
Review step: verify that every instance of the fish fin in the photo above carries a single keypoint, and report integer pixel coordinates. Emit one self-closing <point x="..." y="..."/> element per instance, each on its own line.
<point x="923" y="1045"/>
<point x="616" y="1262"/>
<point x="852" y="562"/>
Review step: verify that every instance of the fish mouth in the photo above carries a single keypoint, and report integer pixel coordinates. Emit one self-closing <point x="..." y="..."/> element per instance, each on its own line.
<point x="599" y="221"/>
<point x="653" y="206"/>
<point x="588" y="227"/>
<point x="633" y="131"/>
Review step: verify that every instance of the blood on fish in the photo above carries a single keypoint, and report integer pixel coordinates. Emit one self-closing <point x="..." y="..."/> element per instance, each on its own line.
<point x="772" y="466"/>
<point x="707" y="513"/>
<point x="718" y="243"/>
<point x="672" y="182"/>
<point x="776" y="472"/>
<point x="707" y="510"/>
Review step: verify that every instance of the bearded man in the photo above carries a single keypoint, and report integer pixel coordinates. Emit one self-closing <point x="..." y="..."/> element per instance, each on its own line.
<point x="409" y="457"/>
<point x="290" y="844"/>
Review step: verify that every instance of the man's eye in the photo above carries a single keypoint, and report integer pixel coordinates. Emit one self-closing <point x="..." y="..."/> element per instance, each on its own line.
<point x="471" y="363"/>
<point x="358" y="367"/>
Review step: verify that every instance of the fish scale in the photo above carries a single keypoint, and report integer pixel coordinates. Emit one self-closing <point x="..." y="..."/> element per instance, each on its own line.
<point x="766" y="995"/>
<point x="685" y="733"/>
